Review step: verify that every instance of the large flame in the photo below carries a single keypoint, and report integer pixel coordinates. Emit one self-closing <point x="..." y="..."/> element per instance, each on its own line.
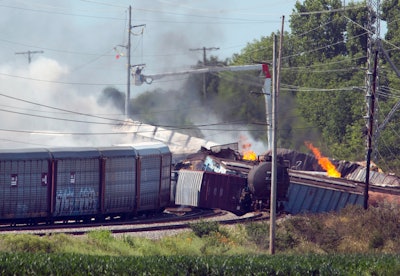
<point x="323" y="161"/>
<point x="246" y="151"/>
<point x="249" y="155"/>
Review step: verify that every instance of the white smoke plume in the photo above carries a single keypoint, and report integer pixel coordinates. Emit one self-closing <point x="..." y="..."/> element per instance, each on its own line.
<point x="37" y="109"/>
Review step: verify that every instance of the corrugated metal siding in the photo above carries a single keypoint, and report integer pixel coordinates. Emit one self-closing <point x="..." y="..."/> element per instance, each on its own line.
<point x="375" y="178"/>
<point x="188" y="187"/>
<point x="222" y="191"/>
<point x="165" y="189"/>
<point x="305" y="198"/>
<point x="150" y="166"/>
<point x="120" y="184"/>
<point x="24" y="188"/>
<point x="78" y="185"/>
<point x="155" y="175"/>
<point x="119" y="179"/>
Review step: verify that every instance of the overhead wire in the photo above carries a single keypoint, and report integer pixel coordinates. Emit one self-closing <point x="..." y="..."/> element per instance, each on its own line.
<point x="114" y="122"/>
<point x="25" y="8"/>
<point x="60" y="82"/>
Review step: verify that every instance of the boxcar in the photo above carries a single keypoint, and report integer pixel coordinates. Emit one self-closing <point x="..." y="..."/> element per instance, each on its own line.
<point x="24" y="184"/>
<point x="76" y="191"/>
<point x="212" y="190"/>
<point x="119" y="182"/>
<point x="83" y="183"/>
<point x="154" y="176"/>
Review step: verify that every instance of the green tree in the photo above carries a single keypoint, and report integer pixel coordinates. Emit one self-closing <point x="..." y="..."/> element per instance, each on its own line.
<point x="320" y="29"/>
<point x="388" y="93"/>
<point x="236" y="104"/>
<point x="356" y="34"/>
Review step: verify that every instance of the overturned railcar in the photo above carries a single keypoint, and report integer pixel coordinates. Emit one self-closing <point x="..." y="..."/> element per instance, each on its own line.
<point x="213" y="190"/>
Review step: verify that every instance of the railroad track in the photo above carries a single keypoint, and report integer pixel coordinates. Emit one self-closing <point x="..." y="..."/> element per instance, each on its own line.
<point x="167" y="221"/>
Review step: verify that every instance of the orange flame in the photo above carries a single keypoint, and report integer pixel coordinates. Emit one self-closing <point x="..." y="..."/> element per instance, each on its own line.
<point x="323" y="161"/>
<point x="250" y="155"/>
<point x="247" y="153"/>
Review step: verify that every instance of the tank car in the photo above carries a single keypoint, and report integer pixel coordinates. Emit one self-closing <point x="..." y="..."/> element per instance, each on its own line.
<point x="236" y="191"/>
<point x="259" y="181"/>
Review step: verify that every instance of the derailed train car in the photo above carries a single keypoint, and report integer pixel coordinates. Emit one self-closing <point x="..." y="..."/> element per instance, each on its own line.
<point x="222" y="179"/>
<point x="59" y="184"/>
<point x="213" y="190"/>
<point x="83" y="183"/>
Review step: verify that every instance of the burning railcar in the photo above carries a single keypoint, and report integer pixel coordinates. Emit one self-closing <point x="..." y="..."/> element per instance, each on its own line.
<point x="305" y="183"/>
<point x="222" y="178"/>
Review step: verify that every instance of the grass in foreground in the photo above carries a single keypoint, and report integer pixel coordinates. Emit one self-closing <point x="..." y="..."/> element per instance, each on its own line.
<point x="352" y="242"/>
<point x="354" y="230"/>
<point x="73" y="264"/>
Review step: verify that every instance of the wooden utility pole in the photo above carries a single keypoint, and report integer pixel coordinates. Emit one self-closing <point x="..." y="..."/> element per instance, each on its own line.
<point x="274" y="170"/>
<point x="129" y="63"/>
<point x="204" y="49"/>
<point x="371" y="83"/>
<point x="128" y="56"/>
<point x="370" y="116"/>
<point x="29" y="53"/>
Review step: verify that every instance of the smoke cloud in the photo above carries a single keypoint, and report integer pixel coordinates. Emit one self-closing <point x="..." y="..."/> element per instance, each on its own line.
<point x="78" y="42"/>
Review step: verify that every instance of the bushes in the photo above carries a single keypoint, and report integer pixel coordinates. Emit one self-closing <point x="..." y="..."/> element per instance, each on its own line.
<point x="26" y="243"/>
<point x="204" y="228"/>
<point x="354" y="230"/>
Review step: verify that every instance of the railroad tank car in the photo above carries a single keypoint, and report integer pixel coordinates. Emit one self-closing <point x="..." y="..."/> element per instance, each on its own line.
<point x="83" y="183"/>
<point x="259" y="181"/>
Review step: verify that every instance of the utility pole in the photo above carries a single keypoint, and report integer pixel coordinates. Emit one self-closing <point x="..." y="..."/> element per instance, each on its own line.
<point x="371" y="86"/>
<point x="128" y="56"/>
<point x="274" y="120"/>
<point x="204" y="49"/>
<point x="129" y="65"/>
<point x="29" y="53"/>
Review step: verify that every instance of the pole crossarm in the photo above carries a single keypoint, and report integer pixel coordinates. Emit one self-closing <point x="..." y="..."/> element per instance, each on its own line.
<point x="29" y="53"/>
<point x="141" y="78"/>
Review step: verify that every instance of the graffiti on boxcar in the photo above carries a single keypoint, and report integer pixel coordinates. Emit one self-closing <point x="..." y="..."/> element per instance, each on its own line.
<point x="83" y="201"/>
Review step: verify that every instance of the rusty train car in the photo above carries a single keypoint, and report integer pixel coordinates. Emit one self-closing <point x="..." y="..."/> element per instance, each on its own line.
<point x="46" y="185"/>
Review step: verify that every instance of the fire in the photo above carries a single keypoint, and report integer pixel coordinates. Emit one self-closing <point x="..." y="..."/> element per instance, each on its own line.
<point x="250" y="155"/>
<point x="247" y="153"/>
<point x="323" y="161"/>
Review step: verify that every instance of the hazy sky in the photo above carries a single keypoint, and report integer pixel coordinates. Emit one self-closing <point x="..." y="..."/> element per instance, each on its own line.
<point x="78" y="41"/>
<point x="81" y="34"/>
